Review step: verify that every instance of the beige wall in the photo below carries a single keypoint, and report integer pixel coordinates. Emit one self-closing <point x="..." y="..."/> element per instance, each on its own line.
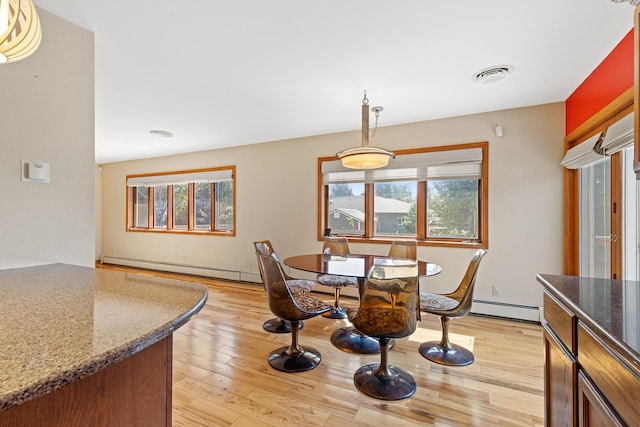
<point x="46" y="114"/>
<point x="276" y="200"/>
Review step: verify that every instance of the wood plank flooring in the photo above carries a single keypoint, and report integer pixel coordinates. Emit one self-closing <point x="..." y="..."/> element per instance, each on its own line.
<point x="221" y="376"/>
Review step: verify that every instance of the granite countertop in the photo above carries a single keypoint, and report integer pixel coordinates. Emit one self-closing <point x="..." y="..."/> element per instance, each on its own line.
<point x="60" y="323"/>
<point x="610" y="308"/>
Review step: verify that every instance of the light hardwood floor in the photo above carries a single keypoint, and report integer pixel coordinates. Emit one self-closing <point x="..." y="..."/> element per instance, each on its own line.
<point x="221" y="376"/>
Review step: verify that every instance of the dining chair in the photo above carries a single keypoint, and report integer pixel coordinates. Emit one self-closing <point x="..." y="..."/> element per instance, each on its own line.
<point x="379" y="317"/>
<point x="454" y="304"/>
<point x="297" y="286"/>
<point x="334" y="245"/>
<point x="404" y="248"/>
<point x="293" y="308"/>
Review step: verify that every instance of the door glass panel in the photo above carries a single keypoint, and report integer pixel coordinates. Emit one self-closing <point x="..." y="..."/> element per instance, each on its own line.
<point x="630" y="230"/>
<point x="595" y="219"/>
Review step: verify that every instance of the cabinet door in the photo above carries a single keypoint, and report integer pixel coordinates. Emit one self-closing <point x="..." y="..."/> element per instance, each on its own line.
<point x="593" y="409"/>
<point x="560" y="375"/>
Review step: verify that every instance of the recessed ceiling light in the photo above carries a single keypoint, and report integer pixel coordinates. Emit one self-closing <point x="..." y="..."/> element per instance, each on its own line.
<point x="161" y="133"/>
<point x="493" y="74"/>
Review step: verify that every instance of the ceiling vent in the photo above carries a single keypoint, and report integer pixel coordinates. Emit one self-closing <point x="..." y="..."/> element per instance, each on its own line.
<point x="161" y="133"/>
<point x="493" y="74"/>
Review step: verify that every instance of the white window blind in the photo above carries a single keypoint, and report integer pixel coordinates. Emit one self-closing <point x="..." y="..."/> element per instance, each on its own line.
<point x="180" y="178"/>
<point x="617" y="137"/>
<point x="449" y="164"/>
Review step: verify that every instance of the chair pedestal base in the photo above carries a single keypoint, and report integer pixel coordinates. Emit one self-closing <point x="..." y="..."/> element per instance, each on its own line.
<point x="453" y="355"/>
<point x="278" y="326"/>
<point x="400" y="385"/>
<point x="302" y="361"/>
<point x="350" y="340"/>
<point x="336" y="313"/>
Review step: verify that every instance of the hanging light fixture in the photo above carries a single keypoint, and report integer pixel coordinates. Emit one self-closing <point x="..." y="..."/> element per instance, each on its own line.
<point x="20" y="32"/>
<point x="365" y="157"/>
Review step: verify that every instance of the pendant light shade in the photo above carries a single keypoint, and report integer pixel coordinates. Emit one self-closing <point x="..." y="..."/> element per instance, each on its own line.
<point x="20" y="32"/>
<point x="365" y="157"/>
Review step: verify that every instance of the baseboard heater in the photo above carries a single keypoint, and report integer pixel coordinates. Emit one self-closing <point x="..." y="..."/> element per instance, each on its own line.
<point x="506" y="310"/>
<point x="217" y="273"/>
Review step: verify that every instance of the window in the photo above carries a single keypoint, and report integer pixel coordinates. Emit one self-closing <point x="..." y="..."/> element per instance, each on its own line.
<point x="197" y="201"/>
<point x="437" y="195"/>
<point x="141" y="207"/>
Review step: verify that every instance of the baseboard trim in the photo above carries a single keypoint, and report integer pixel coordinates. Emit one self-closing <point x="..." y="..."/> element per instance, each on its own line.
<point x="216" y="273"/>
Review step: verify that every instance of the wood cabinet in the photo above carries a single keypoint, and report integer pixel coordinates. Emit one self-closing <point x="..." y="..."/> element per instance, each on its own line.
<point x="560" y="365"/>
<point x="133" y="392"/>
<point x="560" y="369"/>
<point x="586" y="382"/>
<point x="593" y="409"/>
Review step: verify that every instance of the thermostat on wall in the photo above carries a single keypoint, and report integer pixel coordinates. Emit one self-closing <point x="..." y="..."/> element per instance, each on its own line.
<point x="35" y="171"/>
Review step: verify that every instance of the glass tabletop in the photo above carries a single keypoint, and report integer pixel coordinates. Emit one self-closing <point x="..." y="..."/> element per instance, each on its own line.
<point x="354" y="265"/>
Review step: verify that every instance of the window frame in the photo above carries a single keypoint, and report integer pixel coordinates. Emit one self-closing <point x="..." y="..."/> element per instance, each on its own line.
<point x="131" y="195"/>
<point x="421" y="221"/>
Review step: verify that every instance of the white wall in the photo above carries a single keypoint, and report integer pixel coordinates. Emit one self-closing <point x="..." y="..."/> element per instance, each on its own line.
<point x="277" y="200"/>
<point x="47" y="114"/>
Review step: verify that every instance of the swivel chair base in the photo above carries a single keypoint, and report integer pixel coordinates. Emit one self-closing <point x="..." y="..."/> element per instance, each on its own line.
<point x="351" y="340"/>
<point x="278" y="326"/>
<point x="400" y="385"/>
<point x="336" y="313"/>
<point x="302" y="361"/>
<point x="453" y="355"/>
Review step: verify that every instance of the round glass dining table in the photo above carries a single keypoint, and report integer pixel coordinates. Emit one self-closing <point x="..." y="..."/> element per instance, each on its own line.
<point x="348" y="338"/>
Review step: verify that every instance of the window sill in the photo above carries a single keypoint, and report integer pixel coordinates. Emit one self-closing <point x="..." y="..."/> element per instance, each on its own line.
<point x="188" y="232"/>
<point x="431" y="242"/>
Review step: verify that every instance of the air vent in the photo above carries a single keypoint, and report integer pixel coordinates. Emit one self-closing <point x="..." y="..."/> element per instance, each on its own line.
<point x="161" y="133"/>
<point x="493" y="74"/>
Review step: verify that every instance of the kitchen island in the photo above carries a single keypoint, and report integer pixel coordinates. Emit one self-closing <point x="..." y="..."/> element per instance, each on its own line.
<point x="592" y="351"/>
<point x="83" y="346"/>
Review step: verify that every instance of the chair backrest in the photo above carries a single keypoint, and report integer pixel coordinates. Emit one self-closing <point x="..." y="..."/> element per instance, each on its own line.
<point x="404" y="249"/>
<point x="335" y="245"/>
<point x="281" y="302"/>
<point x="266" y="248"/>
<point x="263" y="247"/>
<point x="389" y="304"/>
<point x="464" y="292"/>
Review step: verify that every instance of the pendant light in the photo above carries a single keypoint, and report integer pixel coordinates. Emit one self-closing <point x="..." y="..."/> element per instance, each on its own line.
<point x="365" y="157"/>
<point x="20" y="32"/>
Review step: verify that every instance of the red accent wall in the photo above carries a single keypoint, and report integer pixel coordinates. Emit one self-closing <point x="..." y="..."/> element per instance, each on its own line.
<point x="609" y="80"/>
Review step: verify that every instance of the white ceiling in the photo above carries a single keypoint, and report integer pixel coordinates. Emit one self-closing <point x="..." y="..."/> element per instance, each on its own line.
<point x="226" y="73"/>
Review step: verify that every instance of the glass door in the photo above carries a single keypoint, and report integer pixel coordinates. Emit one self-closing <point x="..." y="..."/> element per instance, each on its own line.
<point x="630" y="220"/>
<point x="595" y="219"/>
